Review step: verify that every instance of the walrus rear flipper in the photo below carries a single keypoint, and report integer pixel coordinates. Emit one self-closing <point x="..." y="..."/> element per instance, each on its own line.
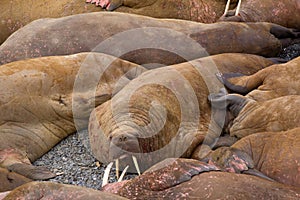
<point x="257" y="173"/>
<point x="32" y="172"/>
<point x="287" y="36"/>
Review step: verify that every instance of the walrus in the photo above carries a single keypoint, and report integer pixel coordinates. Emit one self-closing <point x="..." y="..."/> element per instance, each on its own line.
<point x="200" y="11"/>
<point x="284" y="12"/>
<point x="141" y="39"/>
<point x="276" y="154"/>
<point x="160" y="109"/>
<point x="248" y="116"/>
<point x="50" y="190"/>
<point x="269" y="83"/>
<point x="39" y="103"/>
<point x="10" y="180"/>
<point x="18" y="13"/>
<point x="192" y="179"/>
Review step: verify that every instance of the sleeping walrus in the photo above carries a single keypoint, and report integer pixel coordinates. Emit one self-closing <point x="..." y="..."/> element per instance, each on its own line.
<point x="37" y="103"/>
<point x="283" y="12"/>
<point x="269" y="83"/>
<point x="141" y="39"/>
<point x="276" y="154"/>
<point x="156" y="115"/>
<point x="248" y="116"/>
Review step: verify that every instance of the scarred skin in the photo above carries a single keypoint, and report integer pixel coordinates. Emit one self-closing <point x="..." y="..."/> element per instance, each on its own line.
<point x="40" y="102"/>
<point x="284" y="12"/>
<point x="250" y="116"/>
<point x="84" y="32"/>
<point x="183" y="179"/>
<point x="269" y="83"/>
<point x="194" y="10"/>
<point x="10" y="180"/>
<point x="125" y="120"/>
<point x="50" y="190"/>
<point x="16" y="14"/>
<point x="276" y="154"/>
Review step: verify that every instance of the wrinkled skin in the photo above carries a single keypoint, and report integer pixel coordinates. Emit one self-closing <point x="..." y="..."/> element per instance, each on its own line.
<point x="165" y="41"/>
<point x="269" y="83"/>
<point x="40" y="103"/>
<point x="284" y="12"/>
<point x="249" y="116"/>
<point x="147" y="117"/>
<point x="10" y="180"/>
<point x="193" y="10"/>
<point x="275" y="154"/>
<point x="16" y="14"/>
<point x="183" y="179"/>
<point x="50" y="190"/>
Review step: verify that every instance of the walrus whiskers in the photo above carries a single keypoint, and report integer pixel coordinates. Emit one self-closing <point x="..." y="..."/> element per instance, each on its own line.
<point x="238" y="8"/>
<point x="123" y="173"/>
<point x="136" y="165"/>
<point x="117" y="168"/>
<point x="106" y="174"/>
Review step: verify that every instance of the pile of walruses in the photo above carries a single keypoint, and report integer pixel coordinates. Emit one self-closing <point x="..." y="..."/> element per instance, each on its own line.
<point x="196" y="102"/>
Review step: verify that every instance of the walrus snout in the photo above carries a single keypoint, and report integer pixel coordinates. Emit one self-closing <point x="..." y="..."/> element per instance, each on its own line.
<point x="124" y="144"/>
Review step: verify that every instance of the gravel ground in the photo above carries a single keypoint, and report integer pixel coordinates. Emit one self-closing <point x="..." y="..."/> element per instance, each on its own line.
<point x="73" y="159"/>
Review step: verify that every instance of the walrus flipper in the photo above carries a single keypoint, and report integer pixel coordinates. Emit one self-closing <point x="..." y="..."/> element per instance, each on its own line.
<point x="32" y="172"/>
<point x="225" y="79"/>
<point x="257" y="173"/>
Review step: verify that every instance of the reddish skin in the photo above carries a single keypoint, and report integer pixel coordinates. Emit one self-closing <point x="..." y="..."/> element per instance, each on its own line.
<point x="182" y="179"/>
<point x="283" y="12"/>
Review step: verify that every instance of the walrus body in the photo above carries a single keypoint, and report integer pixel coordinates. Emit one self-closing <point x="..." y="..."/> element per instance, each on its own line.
<point x="275" y="154"/>
<point x="284" y="12"/>
<point x="16" y="14"/>
<point x="50" y="190"/>
<point x="140" y="39"/>
<point x="250" y="116"/>
<point x="269" y="83"/>
<point x="152" y="111"/>
<point x="39" y="103"/>
<point x="192" y="179"/>
<point x="200" y="11"/>
<point x="10" y="180"/>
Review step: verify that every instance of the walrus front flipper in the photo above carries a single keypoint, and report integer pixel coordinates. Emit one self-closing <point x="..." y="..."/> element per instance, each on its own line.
<point x="32" y="172"/>
<point x="231" y="81"/>
<point x="257" y="173"/>
<point x="287" y="36"/>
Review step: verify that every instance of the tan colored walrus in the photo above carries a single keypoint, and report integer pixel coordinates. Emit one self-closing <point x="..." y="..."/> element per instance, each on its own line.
<point x="269" y="83"/>
<point x="276" y="154"/>
<point x="141" y="39"/>
<point x="16" y="14"/>
<point x="40" y="100"/>
<point x="249" y="116"/>
<point x="164" y="112"/>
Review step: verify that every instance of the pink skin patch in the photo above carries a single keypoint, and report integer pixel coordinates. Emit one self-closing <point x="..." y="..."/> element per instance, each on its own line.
<point x="102" y="3"/>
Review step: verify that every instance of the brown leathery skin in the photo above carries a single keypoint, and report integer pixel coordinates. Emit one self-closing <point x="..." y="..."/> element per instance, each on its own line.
<point x="50" y="190"/>
<point x="18" y="13"/>
<point x="269" y="83"/>
<point x="276" y="154"/>
<point x="180" y="39"/>
<point x="109" y="123"/>
<point x="183" y="184"/>
<point x="39" y="102"/>
<point x="10" y="180"/>
<point x="279" y="114"/>
<point x="284" y="12"/>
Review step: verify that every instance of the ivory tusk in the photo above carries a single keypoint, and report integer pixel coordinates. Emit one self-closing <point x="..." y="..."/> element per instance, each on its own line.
<point x="117" y="168"/>
<point x="238" y="8"/>
<point x="123" y="173"/>
<point x="136" y="165"/>
<point x="106" y="174"/>
<point x="227" y="7"/>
